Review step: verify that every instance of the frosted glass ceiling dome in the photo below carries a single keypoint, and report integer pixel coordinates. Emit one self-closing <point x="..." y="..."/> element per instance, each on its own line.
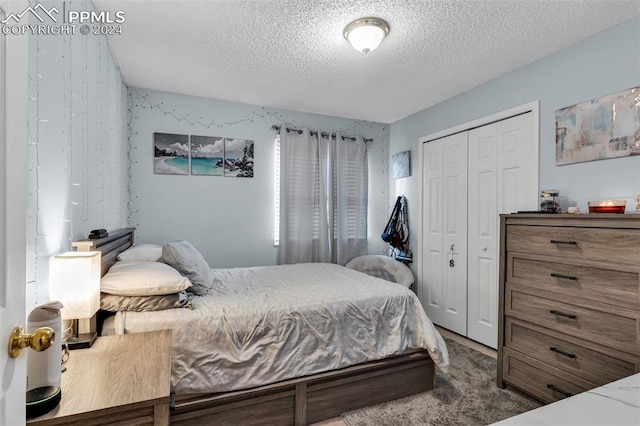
<point x="366" y="34"/>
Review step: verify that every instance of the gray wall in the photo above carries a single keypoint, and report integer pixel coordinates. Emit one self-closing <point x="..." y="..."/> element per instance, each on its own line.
<point x="606" y="63"/>
<point x="77" y="147"/>
<point x="230" y="220"/>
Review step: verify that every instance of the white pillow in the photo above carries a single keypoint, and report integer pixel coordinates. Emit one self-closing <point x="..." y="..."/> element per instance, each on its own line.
<point x="384" y="267"/>
<point x="143" y="252"/>
<point x="131" y="278"/>
<point x="187" y="260"/>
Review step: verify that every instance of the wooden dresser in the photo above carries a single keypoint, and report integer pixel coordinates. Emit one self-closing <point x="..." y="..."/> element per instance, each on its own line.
<point x="569" y="302"/>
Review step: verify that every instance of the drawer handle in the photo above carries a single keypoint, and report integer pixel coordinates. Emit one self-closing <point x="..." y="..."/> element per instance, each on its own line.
<point x="561" y="352"/>
<point x="557" y="389"/>
<point x="565" y="277"/>
<point x="562" y="314"/>
<point x="573" y="243"/>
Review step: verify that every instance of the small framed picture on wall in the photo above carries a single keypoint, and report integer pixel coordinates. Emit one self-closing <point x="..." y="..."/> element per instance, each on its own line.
<point x="401" y="164"/>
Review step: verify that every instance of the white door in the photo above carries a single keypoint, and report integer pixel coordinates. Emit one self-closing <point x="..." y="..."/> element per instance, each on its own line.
<point x="503" y="178"/>
<point x="483" y="235"/>
<point x="517" y="164"/>
<point x="444" y="262"/>
<point x="13" y="190"/>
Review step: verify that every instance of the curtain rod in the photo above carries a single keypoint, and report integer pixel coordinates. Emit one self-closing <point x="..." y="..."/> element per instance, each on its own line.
<point x="325" y="134"/>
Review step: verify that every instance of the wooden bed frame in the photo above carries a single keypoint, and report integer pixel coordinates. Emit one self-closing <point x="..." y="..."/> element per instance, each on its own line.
<point x="298" y="401"/>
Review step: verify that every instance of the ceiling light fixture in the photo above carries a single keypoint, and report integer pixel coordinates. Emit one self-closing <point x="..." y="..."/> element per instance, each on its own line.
<point x="365" y="34"/>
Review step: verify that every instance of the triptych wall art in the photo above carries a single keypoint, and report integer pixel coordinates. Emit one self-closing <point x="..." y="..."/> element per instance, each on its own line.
<point x="202" y="155"/>
<point x="605" y="127"/>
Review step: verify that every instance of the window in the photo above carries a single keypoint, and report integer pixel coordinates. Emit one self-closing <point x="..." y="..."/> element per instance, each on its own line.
<point x="323" y="212"/>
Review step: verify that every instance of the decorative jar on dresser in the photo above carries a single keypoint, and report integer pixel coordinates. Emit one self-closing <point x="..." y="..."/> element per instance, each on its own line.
<point x="569" y="302"/>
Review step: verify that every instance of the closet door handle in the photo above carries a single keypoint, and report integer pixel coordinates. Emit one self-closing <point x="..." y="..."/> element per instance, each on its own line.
<point x="565" y="277"/>
<point x="561" y="352"/>
<point x="562" y="314"/>
<point x="557" y="389"/>
<point x="573" y="243"/>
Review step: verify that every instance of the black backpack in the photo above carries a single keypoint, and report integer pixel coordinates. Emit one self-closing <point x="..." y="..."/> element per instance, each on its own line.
<point x="396" y="233"/>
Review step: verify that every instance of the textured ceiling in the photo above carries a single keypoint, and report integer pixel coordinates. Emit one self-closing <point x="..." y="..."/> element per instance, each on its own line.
<point x="292" y="55"/>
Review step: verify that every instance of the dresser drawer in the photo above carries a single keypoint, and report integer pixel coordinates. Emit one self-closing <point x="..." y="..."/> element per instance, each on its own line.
<point x="609" y="326"/>
<point x="569" y="354"/>
<point x="544" y="382"/>
<point x="615" y="245"/>
<point x="608" y="283"/>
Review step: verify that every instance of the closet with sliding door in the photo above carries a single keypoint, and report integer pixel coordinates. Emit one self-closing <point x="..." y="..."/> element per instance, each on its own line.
<point x="471" y="174"/>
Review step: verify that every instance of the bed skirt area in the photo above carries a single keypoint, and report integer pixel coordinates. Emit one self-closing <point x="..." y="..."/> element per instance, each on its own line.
<point x="311" y="399"/>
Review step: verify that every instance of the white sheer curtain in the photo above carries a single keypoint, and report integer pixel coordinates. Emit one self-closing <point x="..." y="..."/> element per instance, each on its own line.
<point x="303" y="238"/>
<point x="351" y="184"/>
<point x="323" y="197"/>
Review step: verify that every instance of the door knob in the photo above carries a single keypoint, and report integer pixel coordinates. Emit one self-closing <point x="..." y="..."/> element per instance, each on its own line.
<point x="39" y="340"/>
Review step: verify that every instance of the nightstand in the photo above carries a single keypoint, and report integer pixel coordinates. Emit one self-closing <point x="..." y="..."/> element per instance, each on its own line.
<point x="119" y="379"/>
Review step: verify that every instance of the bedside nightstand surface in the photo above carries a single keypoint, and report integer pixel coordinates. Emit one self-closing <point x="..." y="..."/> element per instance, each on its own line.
<point x="127" y="373"/>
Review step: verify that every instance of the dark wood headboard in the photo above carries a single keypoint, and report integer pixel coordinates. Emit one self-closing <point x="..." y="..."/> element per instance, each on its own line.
<point x="117" y="242"/>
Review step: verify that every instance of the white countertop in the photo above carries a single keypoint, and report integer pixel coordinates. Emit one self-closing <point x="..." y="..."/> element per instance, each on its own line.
<point x="616" y="403"/>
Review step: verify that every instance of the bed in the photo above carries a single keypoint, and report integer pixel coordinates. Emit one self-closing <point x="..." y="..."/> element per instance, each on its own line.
<point x="259" y="349"/>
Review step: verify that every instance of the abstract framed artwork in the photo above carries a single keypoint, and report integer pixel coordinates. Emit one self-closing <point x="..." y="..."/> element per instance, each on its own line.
<point x="207" y="155"/>
<point x="602" y="128"/>
<point x="171" y="154"/>
<point x="401" y="164"/>
<point x="238" y="157"/>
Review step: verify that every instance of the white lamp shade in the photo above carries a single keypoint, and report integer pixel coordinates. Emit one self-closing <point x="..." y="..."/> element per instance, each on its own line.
<point x="366" y="34"/>
<point x="366" y="39"/>
<point x="74" y="280"/>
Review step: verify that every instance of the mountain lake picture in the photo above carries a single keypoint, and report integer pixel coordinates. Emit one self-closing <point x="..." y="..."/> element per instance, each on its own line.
<point x="171" y="154"/>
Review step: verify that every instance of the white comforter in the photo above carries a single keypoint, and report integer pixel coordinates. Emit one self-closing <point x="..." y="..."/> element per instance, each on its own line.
<point x="266" y="324"/>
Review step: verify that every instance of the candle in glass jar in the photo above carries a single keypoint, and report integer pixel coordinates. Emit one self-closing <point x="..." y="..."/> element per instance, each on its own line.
<point x="607" y="206"/>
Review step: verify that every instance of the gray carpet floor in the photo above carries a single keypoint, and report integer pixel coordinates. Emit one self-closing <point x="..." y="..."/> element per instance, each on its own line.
<point x="467" y="395"/>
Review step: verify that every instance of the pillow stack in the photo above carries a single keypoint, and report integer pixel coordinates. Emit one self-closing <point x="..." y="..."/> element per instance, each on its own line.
<point x="138" y="285"/>
<point x="149" y="277"/>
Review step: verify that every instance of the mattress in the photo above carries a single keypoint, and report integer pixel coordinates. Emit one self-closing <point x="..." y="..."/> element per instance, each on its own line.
<point x="263" y="325"/>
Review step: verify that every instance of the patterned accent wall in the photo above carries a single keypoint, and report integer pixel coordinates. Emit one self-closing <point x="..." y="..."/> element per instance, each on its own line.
<point x="78" y="151"/>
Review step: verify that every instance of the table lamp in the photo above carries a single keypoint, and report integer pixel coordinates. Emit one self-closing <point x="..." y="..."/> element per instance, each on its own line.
<point x="74" y="280"/>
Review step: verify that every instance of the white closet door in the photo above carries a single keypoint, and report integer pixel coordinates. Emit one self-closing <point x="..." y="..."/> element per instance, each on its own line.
<point x="443" y="288"/>
<point x="431" y="282"/>
<point x="483" y="235"/>
<point x="503" y="178"/>
<point x="517" y="165"/>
